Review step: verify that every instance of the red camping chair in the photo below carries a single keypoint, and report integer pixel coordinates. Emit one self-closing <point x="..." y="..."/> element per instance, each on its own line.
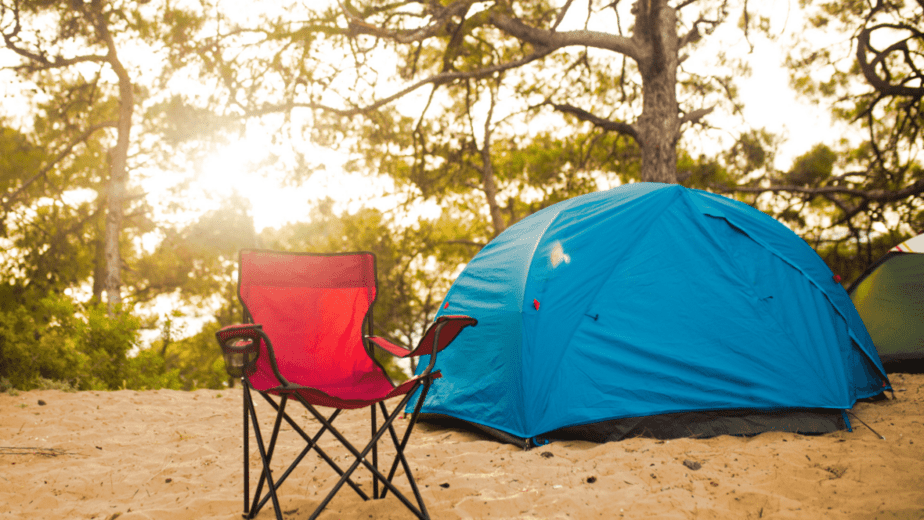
<point x="304" y="340"/>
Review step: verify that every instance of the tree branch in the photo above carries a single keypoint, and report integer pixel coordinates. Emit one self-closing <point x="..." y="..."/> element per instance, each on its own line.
<point x="882" y="85"/>
<point x="9" y="199"/>
<point x="561" y="14"/>
<point x="438" y="21"/>
<point x="606" y="124"/>
<point x="692" y="36"/>
<point x="37" y="61"/>
<point x="437" y="79"/>
<point x="549" y="40"/>
<point x="696" y="115"/>
<point x="880" y="196"/>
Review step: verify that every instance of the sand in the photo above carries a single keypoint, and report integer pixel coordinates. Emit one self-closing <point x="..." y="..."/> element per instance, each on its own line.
<point x="177" y="455"/>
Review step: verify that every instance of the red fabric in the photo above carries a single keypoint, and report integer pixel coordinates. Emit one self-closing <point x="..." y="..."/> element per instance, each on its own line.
<point x="448" y="333"/>
<point x="272" y="268"/>
<point x="319" y="398"/>
<point x="312" y="308"/>
<point x="389" y="346"/>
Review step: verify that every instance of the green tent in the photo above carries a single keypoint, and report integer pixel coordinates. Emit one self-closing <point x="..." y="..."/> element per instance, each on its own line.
<point x="890" y="299"/>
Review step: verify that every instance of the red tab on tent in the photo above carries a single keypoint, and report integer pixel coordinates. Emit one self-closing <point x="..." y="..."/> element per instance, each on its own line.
<point x="446" y="306"/>
<point x="837" y="278"/>
<point x="536" y="304"/>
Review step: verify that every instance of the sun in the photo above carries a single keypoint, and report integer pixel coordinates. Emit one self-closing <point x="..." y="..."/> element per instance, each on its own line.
<point x="242" y="167"/>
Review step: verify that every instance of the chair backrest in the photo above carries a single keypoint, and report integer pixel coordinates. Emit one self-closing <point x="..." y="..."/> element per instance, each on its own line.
<point x="312" y="307"/>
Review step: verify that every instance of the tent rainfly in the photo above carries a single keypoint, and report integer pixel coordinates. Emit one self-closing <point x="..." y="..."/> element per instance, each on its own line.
<point x="651" y="309"/>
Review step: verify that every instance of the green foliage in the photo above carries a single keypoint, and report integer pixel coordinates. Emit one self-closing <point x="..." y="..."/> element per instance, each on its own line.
<point x="752" y="152"/>
<point x="195" y="261"/>
<point x="106" y="341"/>
<point x="147" y="370"/>
<point x="196" y="360"/>
<point x="702" y="173"/>
<point x="66" y="346"/>
<point x="813" y="167"/>
<point x="18" y="158"/>
<point x="180" y="122"/>
<point x="30" y="350"/>
<point x="849" y="260"/>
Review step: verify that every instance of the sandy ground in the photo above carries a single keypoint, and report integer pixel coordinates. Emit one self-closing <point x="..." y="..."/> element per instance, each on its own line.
<point x="177" y="455"/>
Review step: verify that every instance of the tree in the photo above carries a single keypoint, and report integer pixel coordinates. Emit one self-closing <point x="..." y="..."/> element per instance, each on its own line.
<point x="45" y="245"/>
<point x="854" y="198"/>
<point x="424" y="76"/>
<point x="476" y="166"/>
<point x="72" y="207"/>
<point x="462" y="40"/>
<point x="81" y="46"/>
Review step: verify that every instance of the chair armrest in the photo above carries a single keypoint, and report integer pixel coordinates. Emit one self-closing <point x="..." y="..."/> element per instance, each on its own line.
<point x="440" y="334"/>
<point x="391" y="348"/>
<point x="240" y="344"/>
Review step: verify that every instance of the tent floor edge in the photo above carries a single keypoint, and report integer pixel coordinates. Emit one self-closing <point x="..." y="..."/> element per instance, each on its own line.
<point x="743" y="422"/>
<point x="448" y="421"/>
<point x="702" y="425"/>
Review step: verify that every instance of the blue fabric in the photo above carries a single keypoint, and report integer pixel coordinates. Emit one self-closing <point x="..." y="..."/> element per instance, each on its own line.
<point x="648" y="299"/>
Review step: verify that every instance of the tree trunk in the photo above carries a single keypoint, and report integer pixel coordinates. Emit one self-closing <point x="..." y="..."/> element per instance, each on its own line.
<point x="490" y="190"/>
<point x="659" y="125"/>
<point x="488" y="179"/>
<point x="118" y="181"/>
<point x="118" y="166"/>
<point x="99" y="248"/>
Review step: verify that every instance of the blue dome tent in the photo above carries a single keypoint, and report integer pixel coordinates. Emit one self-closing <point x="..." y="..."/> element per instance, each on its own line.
<point x="651" y="309"/>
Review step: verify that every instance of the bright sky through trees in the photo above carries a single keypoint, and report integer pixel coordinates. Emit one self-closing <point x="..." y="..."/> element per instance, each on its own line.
<point x="768" y="102"/>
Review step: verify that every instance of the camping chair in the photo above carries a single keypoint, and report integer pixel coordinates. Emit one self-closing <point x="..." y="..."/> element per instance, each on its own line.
<point x="304" y="340"/>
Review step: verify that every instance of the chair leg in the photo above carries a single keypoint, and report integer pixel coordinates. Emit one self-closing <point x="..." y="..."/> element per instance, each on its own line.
<point x="375" y="453"/>
<point x="280" y="411"/>
<point x="247" y="405"/>
<point x="313" y="444"/>
<point x="360" y="458"/>
<point x="399" y="447"/>
<point x="266" y="463"/>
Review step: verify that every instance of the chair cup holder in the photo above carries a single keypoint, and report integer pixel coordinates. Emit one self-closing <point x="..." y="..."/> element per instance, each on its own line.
<point x="241" y="356"/>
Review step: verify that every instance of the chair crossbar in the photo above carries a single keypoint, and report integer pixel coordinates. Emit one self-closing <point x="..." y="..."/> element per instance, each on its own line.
<point x="360" y="456"/>
<point x="267" y="452"/>
<point x="312" y="444"/>
<point x="404" y="441"/>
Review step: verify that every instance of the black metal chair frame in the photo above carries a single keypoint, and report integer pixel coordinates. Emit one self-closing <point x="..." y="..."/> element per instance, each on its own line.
<point x="245" y="338"/>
